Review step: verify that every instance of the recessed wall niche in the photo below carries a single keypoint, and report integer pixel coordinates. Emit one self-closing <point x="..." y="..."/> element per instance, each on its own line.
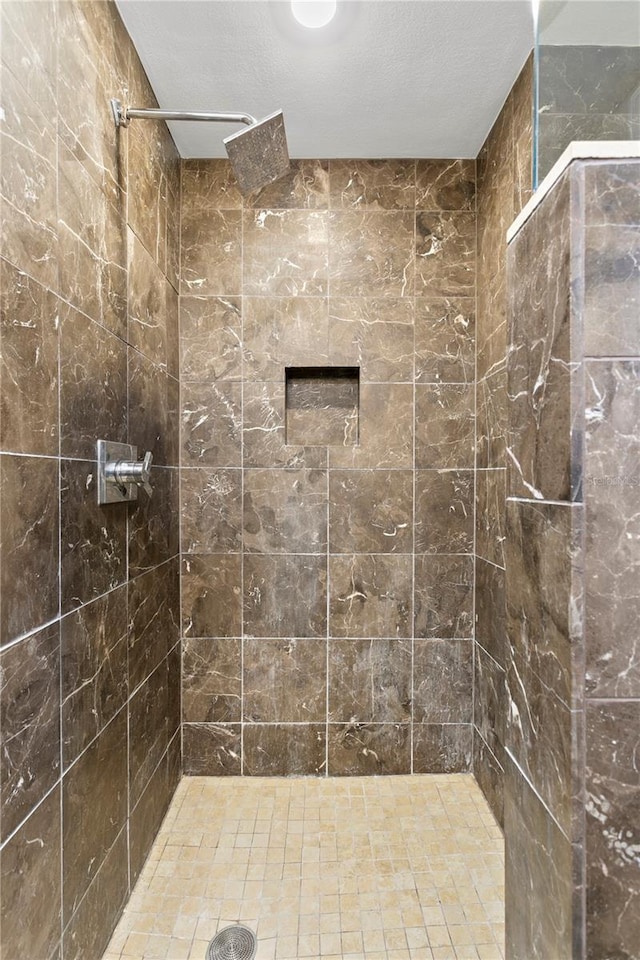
<point x="322" y="406"/>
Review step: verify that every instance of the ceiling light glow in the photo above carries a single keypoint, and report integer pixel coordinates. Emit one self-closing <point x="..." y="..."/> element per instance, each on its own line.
<point x="314" y="13"/>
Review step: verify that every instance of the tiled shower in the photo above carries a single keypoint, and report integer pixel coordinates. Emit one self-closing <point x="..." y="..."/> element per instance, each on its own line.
<point x="320" y="584"/>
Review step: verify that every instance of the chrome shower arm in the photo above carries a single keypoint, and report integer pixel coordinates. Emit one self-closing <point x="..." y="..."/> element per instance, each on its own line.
<point x="123" y="115"/>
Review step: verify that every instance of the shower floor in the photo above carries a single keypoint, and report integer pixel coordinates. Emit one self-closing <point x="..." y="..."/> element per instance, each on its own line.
<point x="379" y="867"/>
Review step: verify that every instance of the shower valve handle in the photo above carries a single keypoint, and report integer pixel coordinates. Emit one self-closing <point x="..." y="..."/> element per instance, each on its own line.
<point x="131" y="471"/>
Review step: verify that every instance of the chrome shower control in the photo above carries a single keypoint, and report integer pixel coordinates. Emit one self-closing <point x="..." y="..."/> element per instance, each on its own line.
<point x="120" y="473"/>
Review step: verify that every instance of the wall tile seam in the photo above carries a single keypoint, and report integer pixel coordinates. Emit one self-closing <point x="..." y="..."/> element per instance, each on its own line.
<point x="533" y="789"/>
<point x="478" y="733"/>
<point x="65" y="927"/>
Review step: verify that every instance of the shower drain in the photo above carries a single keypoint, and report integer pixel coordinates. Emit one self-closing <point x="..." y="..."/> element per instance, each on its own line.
<point x="233" y="943"/>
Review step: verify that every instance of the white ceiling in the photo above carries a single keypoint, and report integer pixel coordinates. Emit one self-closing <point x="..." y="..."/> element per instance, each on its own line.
<point x="387" y="78"/>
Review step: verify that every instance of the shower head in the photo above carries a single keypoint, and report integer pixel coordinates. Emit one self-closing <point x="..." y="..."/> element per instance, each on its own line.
<point x="259" y="153"/>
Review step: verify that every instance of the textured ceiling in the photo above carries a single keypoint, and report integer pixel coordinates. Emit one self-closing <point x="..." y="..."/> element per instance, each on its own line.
<point x="387" y="78"/>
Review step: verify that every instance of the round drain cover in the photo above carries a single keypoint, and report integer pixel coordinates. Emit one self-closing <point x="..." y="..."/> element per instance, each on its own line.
<point x="233" y="943"/>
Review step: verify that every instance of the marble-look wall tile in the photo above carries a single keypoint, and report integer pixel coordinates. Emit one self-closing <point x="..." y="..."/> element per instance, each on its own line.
<point x="94" y="538"/>
<point x="281" y="332"/>
<point x="154" y="619"/>
<point x="489" y="773"/>
<point x="93" y="385"/>
<point x="94" y="670"/>
<point x="490" y="694"/>
<point x="443" y="681"/>
<point x="30" y="723"/>
<point x="154" y="521"/>
<point x="212" y="749"/>
<point x="285" y="511"/>
<point x="445" y="254"/>
<point x="374" y="334"/>
<point x="212" y="182"/>
<point x="612" y="562"/>
<point x="210" y="248"/>
<point x="371" y="253"/>
<point x="370" y="596"/>
<point x="29" y="532"/>
<point x="613" y="815"/>
<point x="491" y="421"/>
<point x="444" y="425"/>
<point x="385" y="429"/>
<point x="490" y="509"/>
<point x="146" y="817"/>
<point x="372" y="184"/>
<point x="445" y="341"/>
<point x="212" y="680"/>
<point x="28" y="364"/>
<point x="446" y="185"/>
<point x="211" y="511"/>
<point x="442" y="747"/>
<point x="371" y="511"/>
<point x="540" y="859"/>
<point x="369" y="681"/>
<point x="490" y="609"/>
<point x="443" y="596"/>
<point x="304" y="187"/>
<point x="30" y="892"/>
<point x="285" y="596"/>
<point x="153" y="410"/>
<point x="211" y="424"/>
<point x="264" y="434"/>
<point x="444" y="511"/>
<point x="210" y="338"/>
<point x="285" y="253"/>
<point x="211" y="596"/>
<point x="280" y="749"/>
<point x="94" y="806"/>
<point x="146" y="300"/>
<point x="284" y="681"/>
<point x="154" y="716"/>
<point x="612" y="275"/>
<point x="366" y="749"/>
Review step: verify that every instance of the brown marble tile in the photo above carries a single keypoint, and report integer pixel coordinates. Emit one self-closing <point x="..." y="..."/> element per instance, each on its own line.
<point x="612" y="276"/>
<point x="442" y="747"/>
<point x="304" y="187"/>
<point x="445" y="254"/>
<point x="30" y="892"/>
<point x="491" y="421"/>
<point x="93" y="538"/>
<point x="371" y="253"/>
<point x="264" y="433"/>
<point x="210" y="338"/>
<point x="444" y="511"/>
<point x="28" y="364"/>
<point x="612" y="557"/>
<point x="285" y="511"/>
<point x="285" y="596"/>
<point x="28" y="179"/>
<point x="444" y="425"/>
<point x="212" y="680"/>
<point x="537" y="858"/>
<point x="212" y="749"/>
<point x="371" y="511"/>
<point x="281" y="332"/>
<point x="172" y="329"/>
<point x="370" y="596"/>
<point x="209" y="185"/>
<point x="366" y="749"/>
<point x="322" y="406"/>
<point x="374" y="334"/>
<point x="93" y="385"/>
<point x="94" y="670"/>
<point x="154" y="522"/>
<point x="492" y="341"/>
<point x="490" y="777"/>
<point x="284" y="681"/>
<point x="94" y="810"/>
<point x="280" y="749"/>
<point x="442" y="681"/>
<point x="490" y="626"/>
<point x="29" y="532"/>
<point x="211" y="596"/>
<point x="445" y="341"/>
<point x="211" y="251"/>
<point x="369" y="681"/>
<point x="211" y="511"/>
<point x="285" y="253"/>
<point x="612" y="784"/>
<point x="147" y="302"/>
<point x="92" y="246"/>
<point x="154" y="619"/>
<point x="91" y="926"/>
<point x="611" y="192"/>
<point x="539" y="369"/>
<point x="146" y="817"/>
<point x="372" y="184"/>
<point x="446" y="185"/>
<point x="443" y="596"/>
<point x="26" y="42"/>
<point x="30" y="723"/>
<point x="490" y="696"/>
<point x="490" y="519"/>
<point x="211" y="426"/>
<point x="385" y="429"/>
<point x="153" y="410"/>
<point x="153" y="719"/>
